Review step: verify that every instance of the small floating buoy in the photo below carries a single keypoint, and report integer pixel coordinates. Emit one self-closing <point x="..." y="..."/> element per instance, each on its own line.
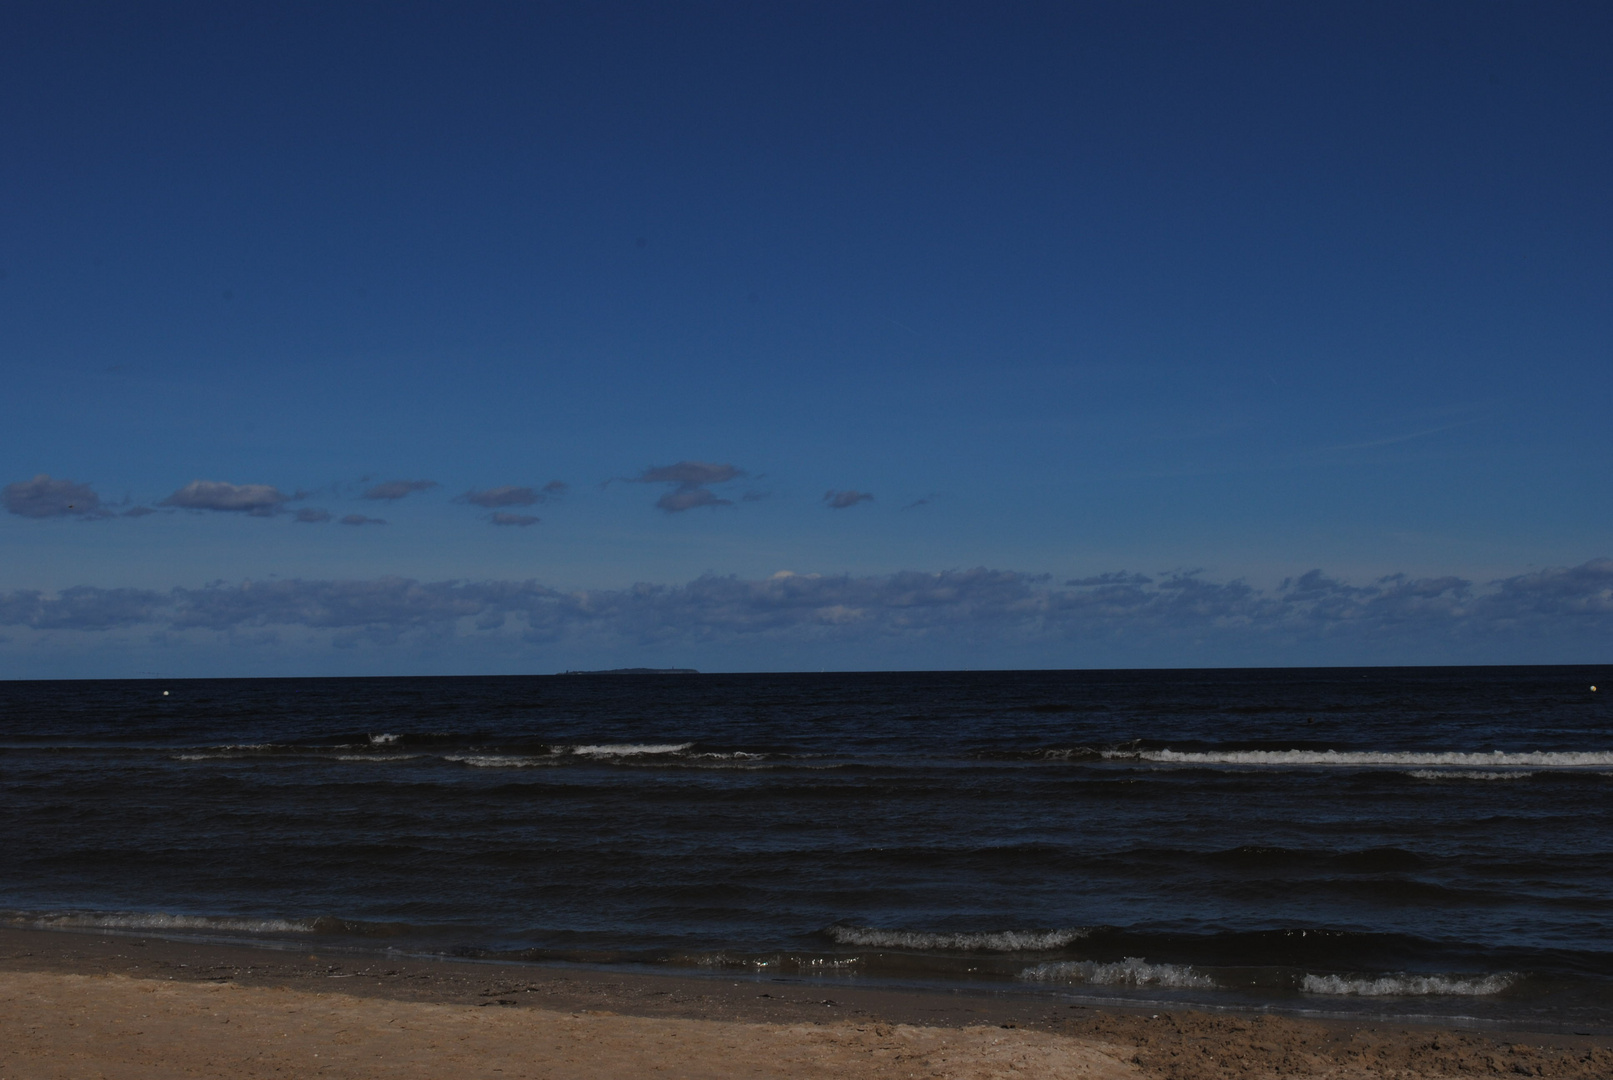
<point x="165" y="693"/>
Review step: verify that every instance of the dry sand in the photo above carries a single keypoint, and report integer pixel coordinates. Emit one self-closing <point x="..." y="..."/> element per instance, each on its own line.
<point x="120" y="1027"/>
<point x="79" y="1005"/>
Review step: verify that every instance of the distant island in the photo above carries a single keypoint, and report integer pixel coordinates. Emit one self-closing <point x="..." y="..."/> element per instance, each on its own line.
<point x="638" y="671"/>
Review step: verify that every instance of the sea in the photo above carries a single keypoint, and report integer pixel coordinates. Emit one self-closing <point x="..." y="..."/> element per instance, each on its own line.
<point x="1419" y="843"/>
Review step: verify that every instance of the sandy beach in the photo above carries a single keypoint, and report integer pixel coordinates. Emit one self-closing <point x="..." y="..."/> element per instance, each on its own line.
<point x="91" y="1005"/>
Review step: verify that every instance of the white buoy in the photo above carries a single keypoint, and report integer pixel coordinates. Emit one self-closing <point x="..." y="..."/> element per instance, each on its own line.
<point x="165" y="693"/>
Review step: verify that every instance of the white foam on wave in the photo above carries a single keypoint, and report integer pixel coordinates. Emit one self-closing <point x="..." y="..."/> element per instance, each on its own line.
<point x="1540" y="759"/>
<point x="627" y="749"/>
<point x="234" y="750"/>
<point x="495" y="761"/>
<point x="376" y="757"/>
<point x="761" y="963"/>
<point x="156" y="920"/>
<point x="384" y="739"/>
<point x="1468" y="774"/>
<point x="988" y="941"/>
<point x="1131" y="971"/>
<point x="1403" y="985"/>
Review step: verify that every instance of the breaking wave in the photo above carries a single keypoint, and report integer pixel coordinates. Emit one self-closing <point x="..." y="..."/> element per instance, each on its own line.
<point x="377" y="757"/>
<point x="1403" y="985"/>
<point x="496" y="761"/>
<point x="1468" y="774"/>
<point x="608" y="750"/>
<point x="153" y="920"/>
<point x="1131" y="971"/>
<point x="990" y="941"/>
<point x="1366" y="758"/>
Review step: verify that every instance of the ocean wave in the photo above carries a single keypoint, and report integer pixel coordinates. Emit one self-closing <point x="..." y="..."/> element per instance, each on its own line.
<point x="233" y="750"/>
<point x="987" y="941"/>
<point x="600" y="752"/>
<point x="496" y="761"/>
<point x="1403" y="985"/>
<point x="783" y="963"/>
<point x="626" y="749"/>
<point x="1041" y="753"/>
<point x="1131" y="971"/>
<point x="1468" y="774"/>
<point x="155" y="920"/>
<point x="290" y="753"/>
<point x="376" y="757"/>
<point x="1540" y="759"/>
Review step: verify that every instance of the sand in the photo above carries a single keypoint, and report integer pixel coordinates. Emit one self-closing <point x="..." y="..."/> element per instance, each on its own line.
<point x="86" y="1005"/>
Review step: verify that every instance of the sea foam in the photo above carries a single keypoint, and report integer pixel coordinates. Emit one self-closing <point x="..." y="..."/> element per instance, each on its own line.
<point x="495" y="761"/>
<point x="1468" y="774"/>
<point x="156" y="920"/>
<point x="988" y="941"/>
<point x="1357" y="758"/>
<point x="1403" y="985"/>
<point x="627" y="749"/>
<point x="1131" y="971"/>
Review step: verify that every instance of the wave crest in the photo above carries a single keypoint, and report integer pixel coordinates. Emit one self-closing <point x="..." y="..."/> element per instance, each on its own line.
<point x="1468" y="774"/>
<point x="870" y="937"/>
<point x="1539" y="759"/>
<point x="156" y="920"/>
<point x="1403" y="985"/>
<point x="1131" y="971"/>
<point x="495" y="761"/>
<point x="627" y="749"/>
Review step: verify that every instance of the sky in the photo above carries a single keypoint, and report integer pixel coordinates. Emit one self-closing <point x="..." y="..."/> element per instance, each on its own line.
<point x="477" y="338"/>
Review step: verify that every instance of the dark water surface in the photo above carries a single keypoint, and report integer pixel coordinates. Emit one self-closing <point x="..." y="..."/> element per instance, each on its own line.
<point x="1433" y="842"/>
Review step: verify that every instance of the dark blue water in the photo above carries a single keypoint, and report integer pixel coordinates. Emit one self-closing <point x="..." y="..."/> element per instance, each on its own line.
<point x="1412" y="841"/>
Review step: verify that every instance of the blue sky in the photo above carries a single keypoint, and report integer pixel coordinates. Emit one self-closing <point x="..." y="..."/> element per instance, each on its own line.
<point x="1214" y="295"/>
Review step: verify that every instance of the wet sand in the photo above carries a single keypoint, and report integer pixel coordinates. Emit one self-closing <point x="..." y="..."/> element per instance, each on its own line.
<point x="94" y="1005"/>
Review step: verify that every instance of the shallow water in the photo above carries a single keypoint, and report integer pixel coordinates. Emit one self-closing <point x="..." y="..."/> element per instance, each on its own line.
<point x="1403" y="841"/>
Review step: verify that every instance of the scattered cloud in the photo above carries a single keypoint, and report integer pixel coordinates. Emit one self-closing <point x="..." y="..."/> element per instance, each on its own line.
<point x="258" y="500"/>
<point x="309" y="516"/>
<point x="839" y="500"/>
<point x="137" y="511"/>
<point x="554" y="489"/>
<point x="1403" y="618"/>
<point x="690" y="481"/>
<point x="675" y="502"/>
<point x="47" y="497"/>
<point x="360" y="519"/>
<point x="521" y="520"/>
<point x="689" y="474"/>
<point x="84" y="608"/>
<point x="1116" y="577"/>
<point x="509" y="495"/>
<point x="398" y="489"/>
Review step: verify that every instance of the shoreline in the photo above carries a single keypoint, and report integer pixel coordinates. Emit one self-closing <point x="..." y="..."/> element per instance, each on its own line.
<point x="180" y="953"/>
<point x="102" y="970"/>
